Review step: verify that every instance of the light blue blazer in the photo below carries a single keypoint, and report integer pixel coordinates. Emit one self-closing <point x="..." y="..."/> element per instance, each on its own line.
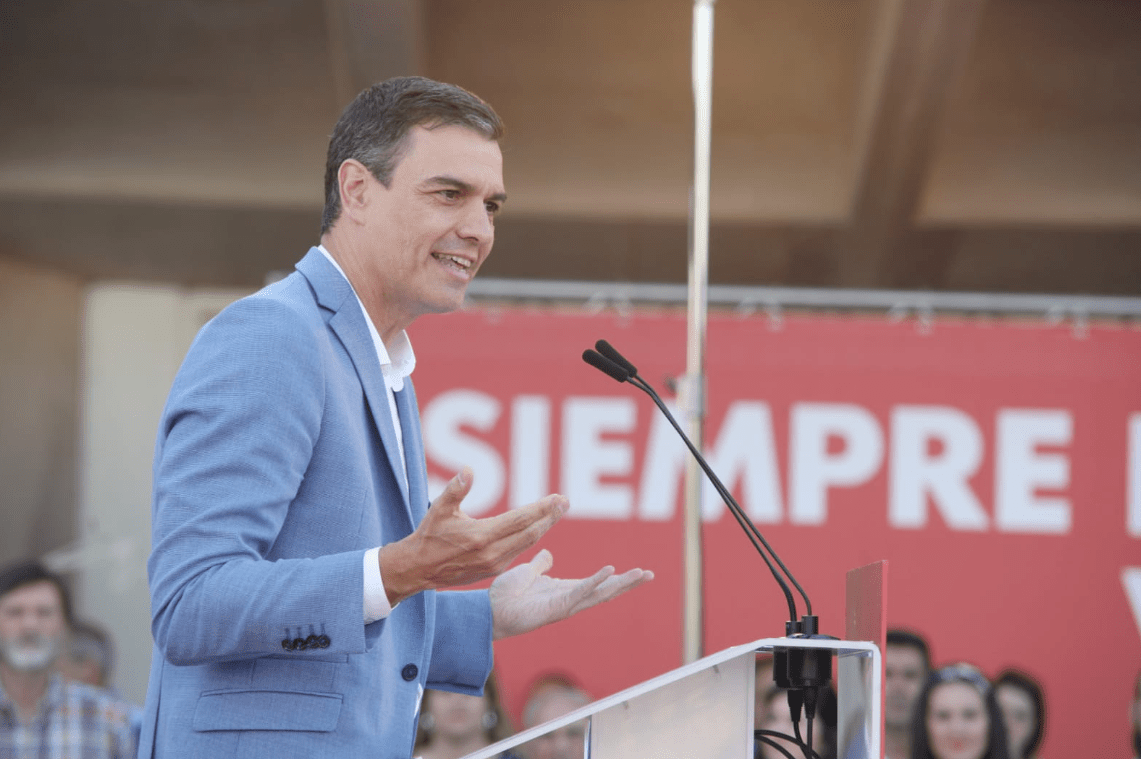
<point x="275" y="470"/>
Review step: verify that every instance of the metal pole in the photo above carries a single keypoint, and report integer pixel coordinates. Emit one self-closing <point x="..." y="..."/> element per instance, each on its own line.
<point x="693" y="388"/>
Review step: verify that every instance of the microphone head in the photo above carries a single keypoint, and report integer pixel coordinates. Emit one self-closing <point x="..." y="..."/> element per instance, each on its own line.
<point x="605" y="365"/>
<point x="607" y="350"/>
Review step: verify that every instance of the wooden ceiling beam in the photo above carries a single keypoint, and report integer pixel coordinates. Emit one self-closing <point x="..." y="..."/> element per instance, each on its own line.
<point x="370" y="41"/>
<point x="916" y="50"/>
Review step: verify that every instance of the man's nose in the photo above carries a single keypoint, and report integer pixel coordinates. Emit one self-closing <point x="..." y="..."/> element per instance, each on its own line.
<point x="477" y="225"/>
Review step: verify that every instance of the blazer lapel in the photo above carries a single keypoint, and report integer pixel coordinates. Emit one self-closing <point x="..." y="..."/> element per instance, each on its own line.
<point x="413" y="450"/>
<point x="347" y="321"/>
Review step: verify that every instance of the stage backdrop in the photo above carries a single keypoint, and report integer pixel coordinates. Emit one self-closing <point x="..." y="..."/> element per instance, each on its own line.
<point x="995" y="464"/>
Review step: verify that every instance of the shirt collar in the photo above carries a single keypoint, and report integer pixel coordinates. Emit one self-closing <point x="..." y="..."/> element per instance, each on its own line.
<point x="394" y="365"/>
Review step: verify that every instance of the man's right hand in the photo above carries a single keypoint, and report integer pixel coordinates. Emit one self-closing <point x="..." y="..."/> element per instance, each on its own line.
<point x="450" y="548"/>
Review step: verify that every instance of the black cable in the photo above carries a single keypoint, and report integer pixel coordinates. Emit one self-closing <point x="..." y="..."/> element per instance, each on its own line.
<point x="768" y="735"/>
<point x="773" y="743"/>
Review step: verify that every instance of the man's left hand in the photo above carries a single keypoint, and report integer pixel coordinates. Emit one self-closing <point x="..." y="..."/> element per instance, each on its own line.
<point x="524" y="598"/>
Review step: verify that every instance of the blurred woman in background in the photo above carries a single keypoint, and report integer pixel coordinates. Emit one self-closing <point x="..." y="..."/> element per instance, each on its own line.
<point x="1023" y="711"/>
<point x="958" y="717"/>
<point x="454" y="724"/>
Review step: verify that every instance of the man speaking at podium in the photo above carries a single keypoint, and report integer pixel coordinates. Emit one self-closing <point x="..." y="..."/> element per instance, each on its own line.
<point x="297" y="567"/>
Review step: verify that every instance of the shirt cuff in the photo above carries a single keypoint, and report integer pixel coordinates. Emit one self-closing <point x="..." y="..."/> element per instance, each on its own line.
<point x="376" y="605"/>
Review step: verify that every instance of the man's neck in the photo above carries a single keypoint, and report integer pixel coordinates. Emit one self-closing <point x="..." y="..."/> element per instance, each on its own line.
<point x="367" y="289"/>
<point x="26" y="689"/>
<point x="897" y="743"/>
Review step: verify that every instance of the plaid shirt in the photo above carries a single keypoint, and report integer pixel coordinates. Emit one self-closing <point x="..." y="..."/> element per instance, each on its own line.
<point x="74" y="721"/>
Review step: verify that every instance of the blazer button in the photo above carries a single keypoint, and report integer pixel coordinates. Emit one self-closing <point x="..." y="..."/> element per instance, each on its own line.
<point x="287" y="644"/>
<point x="299" y="644"/>
<point x="324" y="640"/>
<point x="409" y="672"/>
<point x="311" y="641"/>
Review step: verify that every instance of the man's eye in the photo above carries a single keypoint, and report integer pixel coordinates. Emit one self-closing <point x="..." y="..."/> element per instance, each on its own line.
<point x="492" y="207"/>
<point x="450" y="194"/>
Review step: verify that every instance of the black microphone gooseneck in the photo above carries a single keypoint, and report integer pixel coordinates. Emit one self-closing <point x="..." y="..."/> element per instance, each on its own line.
<point x="801" y="671"/>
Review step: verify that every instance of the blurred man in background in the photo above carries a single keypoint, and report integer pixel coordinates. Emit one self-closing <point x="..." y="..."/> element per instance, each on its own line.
<point x="41" y="713"/>
<point x="907" y="660"/>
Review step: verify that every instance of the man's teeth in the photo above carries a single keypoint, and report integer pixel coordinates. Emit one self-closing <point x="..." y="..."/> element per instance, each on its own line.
<point x="460" y="262"/>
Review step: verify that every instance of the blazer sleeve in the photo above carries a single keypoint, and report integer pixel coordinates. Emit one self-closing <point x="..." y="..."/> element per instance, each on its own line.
<point x="235" y="442"/>
<point x="462" y="653"/>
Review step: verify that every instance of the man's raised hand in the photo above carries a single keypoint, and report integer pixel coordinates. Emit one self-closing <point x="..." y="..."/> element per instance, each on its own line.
<point x="450" y="548"/>
<point x="525" y="597"/>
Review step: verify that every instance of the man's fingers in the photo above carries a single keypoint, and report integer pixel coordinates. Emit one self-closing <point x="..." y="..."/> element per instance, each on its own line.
<point x="550" y="507"/>
<point x="456" y="490"/>
<point x="542" y="562"/>
<point x="581" y="596"/>
<point x="517" y="530"/>
<point x="611" y="586"/>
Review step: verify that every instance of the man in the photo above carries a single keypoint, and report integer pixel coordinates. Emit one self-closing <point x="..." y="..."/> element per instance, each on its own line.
<point x="907" y="660"/>
<point x="42" y="714"/>
<point x="550" y="700"/>
<point x="295" y="557"/>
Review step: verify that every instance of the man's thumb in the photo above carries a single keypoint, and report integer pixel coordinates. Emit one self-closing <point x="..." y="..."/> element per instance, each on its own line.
<point x="459" y="486"/>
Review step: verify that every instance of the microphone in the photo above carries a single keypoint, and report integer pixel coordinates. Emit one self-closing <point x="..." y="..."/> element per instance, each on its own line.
<point x="606" y="349"/>
<point x="793" y="668"/>
<point x="606" y="366"/>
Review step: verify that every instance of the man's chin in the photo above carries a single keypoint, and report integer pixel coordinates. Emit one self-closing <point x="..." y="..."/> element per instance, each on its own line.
<point x="35" y="659"/>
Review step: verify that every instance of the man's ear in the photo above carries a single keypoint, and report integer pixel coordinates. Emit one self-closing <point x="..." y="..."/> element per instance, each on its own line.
<point x="354" y="181"/>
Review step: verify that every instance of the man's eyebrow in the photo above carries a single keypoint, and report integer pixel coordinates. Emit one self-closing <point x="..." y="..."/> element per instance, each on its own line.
<point x="463" y="186"/>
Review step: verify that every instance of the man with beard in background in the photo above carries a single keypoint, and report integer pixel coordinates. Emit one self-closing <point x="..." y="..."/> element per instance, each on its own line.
<point x="41" y="714"/>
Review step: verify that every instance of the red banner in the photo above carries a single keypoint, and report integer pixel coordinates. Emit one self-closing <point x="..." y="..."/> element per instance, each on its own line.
<point x="996" y="465"/>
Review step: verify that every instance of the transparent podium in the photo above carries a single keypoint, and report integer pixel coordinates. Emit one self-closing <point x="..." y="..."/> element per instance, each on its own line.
<point x="704" y="710"/>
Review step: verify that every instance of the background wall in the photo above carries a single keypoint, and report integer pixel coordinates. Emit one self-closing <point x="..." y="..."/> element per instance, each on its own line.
<point x="40" y="312"/>
<point x="134" y="338"/>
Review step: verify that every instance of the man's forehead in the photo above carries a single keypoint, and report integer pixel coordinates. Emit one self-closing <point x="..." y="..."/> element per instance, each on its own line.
<point x="449" y="149"/>
<point x="38" y="592"/>
<point x="903" y="654"/>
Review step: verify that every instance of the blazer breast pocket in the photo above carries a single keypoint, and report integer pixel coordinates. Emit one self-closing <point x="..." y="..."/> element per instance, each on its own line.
<point x="267" y="710"/>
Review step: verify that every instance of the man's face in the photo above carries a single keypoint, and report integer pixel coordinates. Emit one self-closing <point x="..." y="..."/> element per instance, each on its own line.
<point x="31" y="626"/>
<point x="904" y="675"/>
<point x="428" y="232"/>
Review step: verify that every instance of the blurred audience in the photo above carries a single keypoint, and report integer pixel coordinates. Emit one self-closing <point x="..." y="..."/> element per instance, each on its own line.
<point x="1023" y="712"/>
<point x="42" y="713"/>
<point x="907" y="659"/>
<point x="551" y="697"/>
<point x="88" y="655"/>
<point x="763" y="672"/>
<point x="455" y="724"/>
<point x="957" y="717"/>
<point x="777" y="716"/>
